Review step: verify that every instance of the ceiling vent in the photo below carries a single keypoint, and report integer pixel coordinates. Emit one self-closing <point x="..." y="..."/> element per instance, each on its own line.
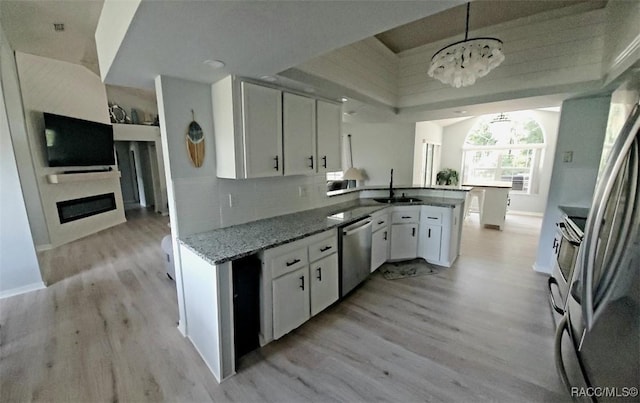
<point x="58" y="27"/>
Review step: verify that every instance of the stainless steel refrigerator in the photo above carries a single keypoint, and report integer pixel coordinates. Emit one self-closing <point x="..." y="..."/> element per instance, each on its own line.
<point x="597" y="345"/>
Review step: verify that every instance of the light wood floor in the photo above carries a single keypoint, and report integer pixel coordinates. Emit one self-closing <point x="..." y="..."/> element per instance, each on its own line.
<point x="105" y="330"/>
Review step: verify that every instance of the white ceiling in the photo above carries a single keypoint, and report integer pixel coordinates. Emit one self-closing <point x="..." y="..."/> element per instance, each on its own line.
<point x="253" y="38"/>
<point x="29" y="28"/>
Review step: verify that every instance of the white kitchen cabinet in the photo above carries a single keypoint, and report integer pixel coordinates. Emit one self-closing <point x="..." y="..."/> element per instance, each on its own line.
<point x="439" y="241"/>
<point x="298" y="280"/>
<point x="404" y="232"/>
<point x="290" y="301"/>
<point x="324" y="283"/>
<point x="299" y="134"/>
<point x="494" y="207"/>
<point x="328" y="134"/>
<point x="247" y="129"/>
<point x="380" y="242"/>
<point x="261" y="131"/>
<point x="432" y="235"/>
<point x="404" y="241"/>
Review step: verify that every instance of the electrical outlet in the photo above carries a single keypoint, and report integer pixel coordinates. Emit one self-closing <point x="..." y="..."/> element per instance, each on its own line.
<point x="567" y="156"/>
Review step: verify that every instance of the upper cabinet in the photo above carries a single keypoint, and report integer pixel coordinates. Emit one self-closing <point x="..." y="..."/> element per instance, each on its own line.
<point x="247" y="120"/>
<point x="299" y="134"/>
<point x="329" y="127"/>
<point x="262" y="131"/>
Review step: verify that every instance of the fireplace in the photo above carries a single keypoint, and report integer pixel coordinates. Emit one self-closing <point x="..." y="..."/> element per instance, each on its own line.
<point x="71" y="210"/>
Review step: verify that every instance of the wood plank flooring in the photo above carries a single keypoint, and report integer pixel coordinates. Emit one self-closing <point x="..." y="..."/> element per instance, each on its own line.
<point x="105" y="330"/>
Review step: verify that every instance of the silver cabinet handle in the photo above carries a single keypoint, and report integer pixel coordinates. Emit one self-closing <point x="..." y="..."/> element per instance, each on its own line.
<point x="310" y="161"/>
<point x="277" y="166"/>
<point x="413" y="231"/>
<point x="326" y="248"/>
<point x="302" y="282"/>
<point x="319" y="276"/>
<point x="551" y="281"/>
<point x="324" y="161"/>
<point x="385" y="235"/>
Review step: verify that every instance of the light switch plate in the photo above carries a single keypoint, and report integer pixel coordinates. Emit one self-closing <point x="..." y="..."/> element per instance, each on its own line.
<point x="567" y="156"/>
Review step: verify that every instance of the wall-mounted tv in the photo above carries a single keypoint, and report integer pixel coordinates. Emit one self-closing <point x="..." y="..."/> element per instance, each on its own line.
<point x="75" y="142"/>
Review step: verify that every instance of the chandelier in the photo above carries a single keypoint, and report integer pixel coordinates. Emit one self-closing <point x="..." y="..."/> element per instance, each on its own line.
<point x="461" y="63"/>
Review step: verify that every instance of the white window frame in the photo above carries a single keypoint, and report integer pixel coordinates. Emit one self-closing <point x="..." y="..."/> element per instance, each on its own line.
<point x="534" y="169"/>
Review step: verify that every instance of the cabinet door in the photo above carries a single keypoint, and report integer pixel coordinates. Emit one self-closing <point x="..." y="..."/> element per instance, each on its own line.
<point x="324" y="283"/>
<point x="379" y="248"/>
<point x="290" y="301"/>
<point x="432" y="242"/>
<point x="329" y="136"/>
<point x="262" y="130"/>
<point x="299" y="128"/>
<point x="404" y="241"/>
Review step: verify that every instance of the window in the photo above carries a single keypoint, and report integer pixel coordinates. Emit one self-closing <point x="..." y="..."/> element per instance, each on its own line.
<point x="504" y="149"/>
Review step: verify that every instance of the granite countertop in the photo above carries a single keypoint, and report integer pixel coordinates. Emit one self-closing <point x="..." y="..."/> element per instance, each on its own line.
<point x="490" y="184"/>
<point x="229" y="243"/>
<point x="457" y="188"/>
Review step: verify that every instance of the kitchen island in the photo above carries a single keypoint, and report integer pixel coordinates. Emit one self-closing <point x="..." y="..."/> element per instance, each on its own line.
<point x="209" y="262"/>
<point x="493" y="200"/>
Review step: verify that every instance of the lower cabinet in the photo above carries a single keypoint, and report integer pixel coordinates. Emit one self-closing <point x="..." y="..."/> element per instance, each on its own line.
<point x="290" y="301"/>
<point x="323" y="278"/>
<point x="298" y="280"/>
<point x="404" y="241"/>
<point x="432" y="235"/>
<point x="380" y="241"/>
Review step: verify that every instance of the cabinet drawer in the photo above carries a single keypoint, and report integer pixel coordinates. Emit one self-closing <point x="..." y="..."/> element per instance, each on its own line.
<point x="288" y="262"/>
<point x="432" y="217"/>
<point x="403" y="217"/>
<point x="379" y="222"/>
<point x="323" y="248"/>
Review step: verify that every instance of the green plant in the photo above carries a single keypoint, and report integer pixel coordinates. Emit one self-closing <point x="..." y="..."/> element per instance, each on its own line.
<point x="447" y="176"/>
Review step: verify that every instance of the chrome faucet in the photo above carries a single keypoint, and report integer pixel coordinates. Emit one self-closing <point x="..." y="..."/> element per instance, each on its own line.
<point x="391" y="185"/>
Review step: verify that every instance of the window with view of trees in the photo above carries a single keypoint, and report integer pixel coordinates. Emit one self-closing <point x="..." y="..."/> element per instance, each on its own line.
<point x="502" y="149"/>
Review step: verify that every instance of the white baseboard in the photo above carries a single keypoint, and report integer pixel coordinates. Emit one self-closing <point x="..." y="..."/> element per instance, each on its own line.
<point x="526" y="213"/>
<point x="539" y="269"/>
<point x="40" y="248"/>
<point x="21" y="290"/>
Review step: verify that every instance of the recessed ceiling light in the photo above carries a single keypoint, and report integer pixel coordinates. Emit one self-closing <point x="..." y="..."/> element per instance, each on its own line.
<point x="58" y="26"/>
<point x="460" y="112"/>
<point x="214" y="64"/>
<point x="344" y="99"/>
<point x="309" y="90"/>
<point x="270" y="79"/>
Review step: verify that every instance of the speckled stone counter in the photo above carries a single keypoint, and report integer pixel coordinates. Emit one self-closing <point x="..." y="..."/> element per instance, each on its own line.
<point x="225" y="244"/>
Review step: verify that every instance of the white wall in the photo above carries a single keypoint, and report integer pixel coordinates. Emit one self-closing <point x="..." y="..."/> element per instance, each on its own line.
<point x="426" y="132"/>
<point x="378" y="147"/>
<point x="72" y="90"/>
<point x="582" y="129"/>
<point x="19" y="268"/>
<point x="453" y="138"/>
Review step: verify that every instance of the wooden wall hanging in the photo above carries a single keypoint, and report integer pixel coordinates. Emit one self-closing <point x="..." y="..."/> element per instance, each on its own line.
<point x="195" y="142"/>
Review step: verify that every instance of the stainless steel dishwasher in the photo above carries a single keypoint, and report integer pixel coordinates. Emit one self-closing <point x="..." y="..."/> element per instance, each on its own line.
<point x="355" y="254"/>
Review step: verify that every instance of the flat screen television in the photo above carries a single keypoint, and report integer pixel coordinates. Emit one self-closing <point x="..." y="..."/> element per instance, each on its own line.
<point x="75" y="142"/>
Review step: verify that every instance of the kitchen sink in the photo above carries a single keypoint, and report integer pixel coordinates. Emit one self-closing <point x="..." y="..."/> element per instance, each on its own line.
<point x="391" y="200"/>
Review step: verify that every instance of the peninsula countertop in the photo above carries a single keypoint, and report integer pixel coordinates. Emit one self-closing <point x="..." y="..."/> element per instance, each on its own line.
<point x="234" y="242"/>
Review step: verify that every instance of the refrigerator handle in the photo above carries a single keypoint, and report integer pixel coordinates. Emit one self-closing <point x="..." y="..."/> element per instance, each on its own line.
<point x="563" y="327"/>
<point x="624" y="247"/>
<point x="587" y="256"/>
